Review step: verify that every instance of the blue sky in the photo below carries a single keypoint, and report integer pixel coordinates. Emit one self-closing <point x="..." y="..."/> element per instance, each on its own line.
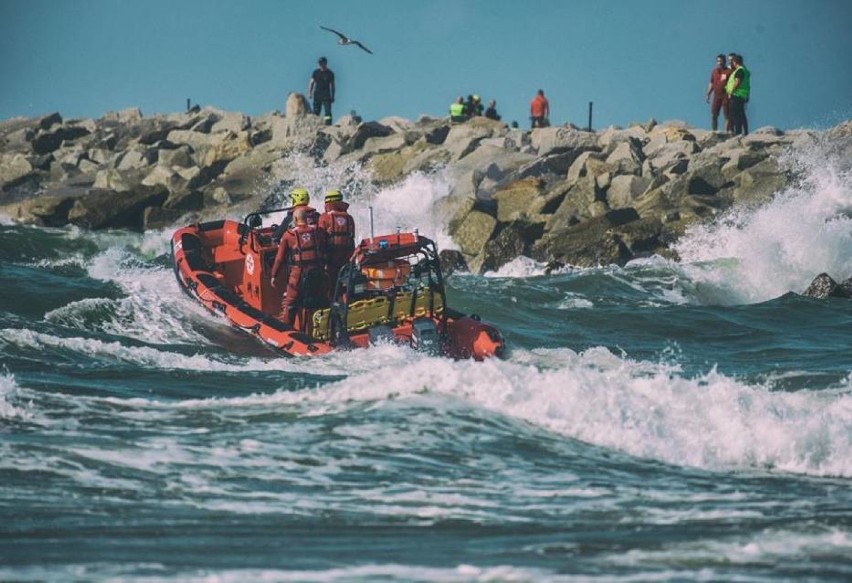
<point x="634" y="59"/>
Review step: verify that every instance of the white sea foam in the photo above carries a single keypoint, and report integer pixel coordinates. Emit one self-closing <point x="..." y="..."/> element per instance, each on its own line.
<point x="158" y="573"/>
<point x="755" y="254"/>
<point x="407" y="205"/>
<point x="776" y="547"/>
<point x="8" y="396"/>
<point x="645" y="409"/>
<point x="143" y="356"/>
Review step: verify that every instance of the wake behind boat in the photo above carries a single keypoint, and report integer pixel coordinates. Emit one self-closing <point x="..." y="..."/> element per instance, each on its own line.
<point x="392" y="289"/>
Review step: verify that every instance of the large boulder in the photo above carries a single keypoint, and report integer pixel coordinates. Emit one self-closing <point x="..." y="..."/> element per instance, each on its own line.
<point x="13" y="170"/>
<point x="107" y="209"/>
<point x="589" y="243"/>
<point x="48" y="141"/>
<point x="520" y="200"/>
<point x="296" y="105"/>
<point x="472" y="233"/>
<point x="624" y="189"/>
<point x="759" y="182"/>
<point x="627" y="157"/>
<point x="465" y="138"/>
<point x="562" y="139"/>
<point x="510" y="241"/>
<point x="823" y="286"/>
<point x="479" y="173"/>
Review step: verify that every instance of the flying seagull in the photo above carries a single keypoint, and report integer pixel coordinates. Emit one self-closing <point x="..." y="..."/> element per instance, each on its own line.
<point x="345" y="40"/>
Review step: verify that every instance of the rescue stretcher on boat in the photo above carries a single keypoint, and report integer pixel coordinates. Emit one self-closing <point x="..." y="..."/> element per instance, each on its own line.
<point x="392" y="289"/>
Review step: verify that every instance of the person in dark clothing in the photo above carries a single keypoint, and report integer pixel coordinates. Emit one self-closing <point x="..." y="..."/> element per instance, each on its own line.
<point x="473" y="106"/>
<point x="321" y="89"/>
<point x="491" y="111"/>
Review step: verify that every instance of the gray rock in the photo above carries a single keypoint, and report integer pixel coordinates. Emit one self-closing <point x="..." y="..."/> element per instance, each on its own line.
<point x="823" y="286"/>
<point x="627" y="157"/>
<point x="107" y="209"/>
<point x="48" y="141"/>
<point x="561" y="139"/>
<point x="452" y="260"/>
<point x="473" y="232"/>
<point x="624" y="189"/>
<point x="13" y="169"/>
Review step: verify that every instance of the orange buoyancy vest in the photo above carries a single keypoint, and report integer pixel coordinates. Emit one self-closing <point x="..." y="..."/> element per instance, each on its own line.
<point x="340" y="227"/>
<point x="306" y="245"/>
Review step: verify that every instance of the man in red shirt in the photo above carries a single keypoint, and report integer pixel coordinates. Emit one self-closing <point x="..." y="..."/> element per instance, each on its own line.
<point x="716" y="87"/>
<point x="539" y="110"/>
<point x="302" y="248"/>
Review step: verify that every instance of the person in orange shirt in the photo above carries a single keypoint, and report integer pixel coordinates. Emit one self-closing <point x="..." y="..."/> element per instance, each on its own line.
<point x="539" y="110"/>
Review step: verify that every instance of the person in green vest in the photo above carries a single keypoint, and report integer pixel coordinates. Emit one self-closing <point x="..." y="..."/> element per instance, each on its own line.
<point x="457" y="110"/>
<point x="738" y="89"/>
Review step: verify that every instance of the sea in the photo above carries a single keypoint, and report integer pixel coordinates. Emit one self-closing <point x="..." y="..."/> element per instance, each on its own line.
<point x="668" y="420"/>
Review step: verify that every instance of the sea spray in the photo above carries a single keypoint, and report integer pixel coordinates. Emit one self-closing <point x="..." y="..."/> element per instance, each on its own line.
<point x="750" y="255"/>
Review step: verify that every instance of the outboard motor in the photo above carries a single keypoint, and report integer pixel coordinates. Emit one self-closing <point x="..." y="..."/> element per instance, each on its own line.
<point x="424" y="336"/>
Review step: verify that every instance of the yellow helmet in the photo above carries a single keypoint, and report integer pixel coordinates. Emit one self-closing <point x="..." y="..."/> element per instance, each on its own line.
<point x="299" y="196"/>
<point x="333" y="196"/>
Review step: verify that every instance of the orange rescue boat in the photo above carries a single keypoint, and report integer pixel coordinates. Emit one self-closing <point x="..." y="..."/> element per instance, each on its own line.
<point x="392" y="289"/>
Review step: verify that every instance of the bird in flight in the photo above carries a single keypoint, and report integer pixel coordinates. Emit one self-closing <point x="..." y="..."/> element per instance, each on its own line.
<point x="345" y="40"/>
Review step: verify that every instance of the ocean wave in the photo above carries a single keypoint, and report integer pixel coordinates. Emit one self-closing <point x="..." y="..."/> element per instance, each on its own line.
<point x="645" y="409"/>
<point x="751" y="255"/>
<point x="9" y="395"/>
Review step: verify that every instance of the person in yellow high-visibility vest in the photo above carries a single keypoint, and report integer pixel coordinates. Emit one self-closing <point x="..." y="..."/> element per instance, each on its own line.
<point x="457" y="111"/>
<point x="738" y="89"/>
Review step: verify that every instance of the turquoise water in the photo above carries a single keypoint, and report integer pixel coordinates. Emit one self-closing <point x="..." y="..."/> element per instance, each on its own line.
<point x="664" y="421"/>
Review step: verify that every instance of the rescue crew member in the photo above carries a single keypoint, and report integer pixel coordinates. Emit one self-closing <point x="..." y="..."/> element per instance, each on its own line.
<point x="299" y="197"/>
<point x="738" y="89"/>
<point x="457" y="110"/>
<point x="340" y="230"/>
<point x="302" y="248"/>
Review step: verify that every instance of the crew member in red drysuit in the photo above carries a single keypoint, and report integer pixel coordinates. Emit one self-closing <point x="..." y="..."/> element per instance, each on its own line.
<point x="339" y="227"/>
<point x="302" y="247"/>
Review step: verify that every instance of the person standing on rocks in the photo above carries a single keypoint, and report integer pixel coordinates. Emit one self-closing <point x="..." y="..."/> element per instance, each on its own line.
<point x="321" y="89"/>
<point x="539" y="110"/>
<point x="457" y="110"/>
<point x="491" y="111"/>
<point x="716" y="87"/>
<point x="738" y="89"/>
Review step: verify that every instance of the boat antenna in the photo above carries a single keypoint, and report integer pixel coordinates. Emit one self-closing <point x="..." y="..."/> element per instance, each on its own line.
<point x="372" y="233"/>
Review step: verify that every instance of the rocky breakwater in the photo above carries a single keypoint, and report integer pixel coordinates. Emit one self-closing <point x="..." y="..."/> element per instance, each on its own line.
<point x="560" y="195"/>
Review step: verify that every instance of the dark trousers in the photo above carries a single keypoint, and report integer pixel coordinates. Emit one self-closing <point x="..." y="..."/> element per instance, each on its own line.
<point x="323" y="103"/>
<point x="736" y="109"/>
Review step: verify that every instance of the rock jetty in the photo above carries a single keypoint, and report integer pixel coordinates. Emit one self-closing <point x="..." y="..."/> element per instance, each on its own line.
<point x="560" y="195"/>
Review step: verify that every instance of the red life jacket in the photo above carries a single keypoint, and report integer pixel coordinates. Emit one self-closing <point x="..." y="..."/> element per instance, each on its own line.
<point x="305" y="247"/>
<point x="341" y="230"/>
